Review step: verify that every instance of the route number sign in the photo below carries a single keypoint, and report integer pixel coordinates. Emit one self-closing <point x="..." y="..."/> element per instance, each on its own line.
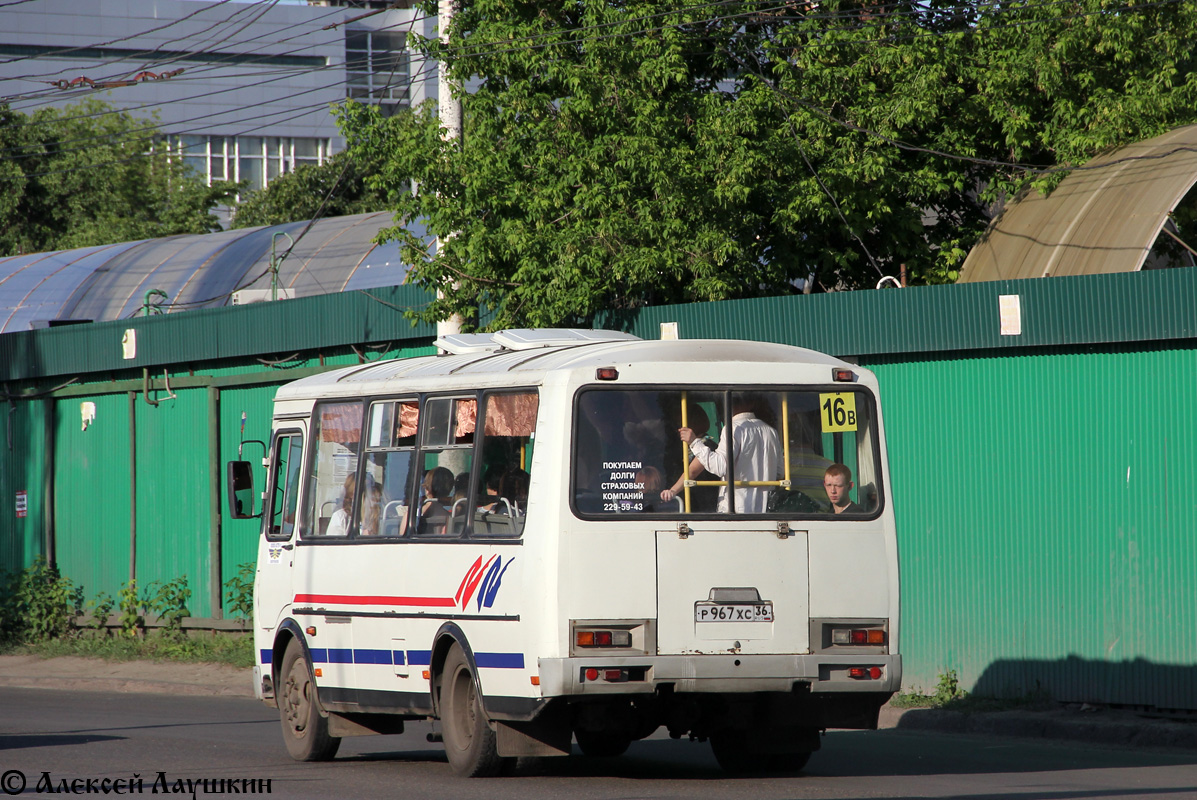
<point x="837" y="411"/>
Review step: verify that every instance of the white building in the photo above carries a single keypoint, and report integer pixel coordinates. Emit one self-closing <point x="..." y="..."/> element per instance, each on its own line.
<point x="242" y="89"/>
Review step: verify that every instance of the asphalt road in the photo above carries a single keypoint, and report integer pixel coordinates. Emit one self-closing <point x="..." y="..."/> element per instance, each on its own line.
<point x="81" y="735"/>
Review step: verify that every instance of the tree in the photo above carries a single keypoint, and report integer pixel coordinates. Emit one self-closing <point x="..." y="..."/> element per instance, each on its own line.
<point x="618" y="154"/>
<point x="335" y="188"/>
<point x="87" y="175"/>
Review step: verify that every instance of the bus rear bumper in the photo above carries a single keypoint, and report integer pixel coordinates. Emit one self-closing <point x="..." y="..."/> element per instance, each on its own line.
<point x="820" y="673"/>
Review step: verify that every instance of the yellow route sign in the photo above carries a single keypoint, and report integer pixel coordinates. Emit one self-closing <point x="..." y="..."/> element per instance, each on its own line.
<point x="837" y="410"/>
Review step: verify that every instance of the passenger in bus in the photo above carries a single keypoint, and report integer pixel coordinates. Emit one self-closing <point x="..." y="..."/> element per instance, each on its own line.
<point x="437" y="487"/>
<point x="514" y="489"/>
<point x="703" y="499"/>
<point x="371" y="509"/>
<point x="837" y="481"/>
<point x="650" y="482"/>
<point x="461" y="487"/>
<point x="338" y="524"/>
<point x="757" y="457"/>
<point x="494" y="479"/>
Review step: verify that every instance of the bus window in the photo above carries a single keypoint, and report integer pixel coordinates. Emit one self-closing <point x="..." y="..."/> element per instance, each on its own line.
<point x="446" y="453"/>
<point x="336" y="432"/>
<point x="390" y="452"/>
<point x="670" y="452"/>
<point x="508" y="437"/>
<point x="288" y="449"/>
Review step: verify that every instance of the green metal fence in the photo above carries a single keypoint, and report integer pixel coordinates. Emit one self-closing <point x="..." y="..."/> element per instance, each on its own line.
<point x="1040" y="476"/>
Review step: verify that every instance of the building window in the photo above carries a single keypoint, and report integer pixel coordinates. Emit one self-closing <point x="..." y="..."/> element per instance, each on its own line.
<point x="258" y="159"/>
<point x="378" y="69"/>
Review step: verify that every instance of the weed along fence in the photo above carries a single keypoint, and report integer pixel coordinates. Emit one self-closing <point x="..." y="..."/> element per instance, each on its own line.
<point x="1040" y="441"/>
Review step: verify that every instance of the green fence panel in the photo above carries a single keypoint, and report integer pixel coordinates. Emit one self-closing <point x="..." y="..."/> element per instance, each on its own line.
<point x="22" y="483"/>
<point x="92" y="493"/>
<point x="173" y="519"/>
<point x="1045" y="522"/>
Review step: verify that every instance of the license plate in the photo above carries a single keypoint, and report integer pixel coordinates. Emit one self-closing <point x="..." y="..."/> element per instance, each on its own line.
<point x="733" y="612"/>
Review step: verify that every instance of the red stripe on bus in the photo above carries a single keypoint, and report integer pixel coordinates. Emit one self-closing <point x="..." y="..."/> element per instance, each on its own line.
<point x="375" y="600"/>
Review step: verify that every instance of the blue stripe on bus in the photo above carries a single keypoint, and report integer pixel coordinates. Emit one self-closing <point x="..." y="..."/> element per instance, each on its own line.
<point x="499" y="660"/>
<point x="415" y="658"/>
<point x="372" y="657"/>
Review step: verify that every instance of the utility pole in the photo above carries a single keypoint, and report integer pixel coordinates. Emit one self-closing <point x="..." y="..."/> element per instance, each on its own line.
<point x="449" y="106"/>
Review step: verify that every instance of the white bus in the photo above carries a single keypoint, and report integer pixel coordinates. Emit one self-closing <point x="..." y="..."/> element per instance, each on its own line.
<point x="551" y="535"/>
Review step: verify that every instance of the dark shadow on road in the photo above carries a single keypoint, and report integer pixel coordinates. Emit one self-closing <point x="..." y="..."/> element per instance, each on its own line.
<point x="50" y="740"/>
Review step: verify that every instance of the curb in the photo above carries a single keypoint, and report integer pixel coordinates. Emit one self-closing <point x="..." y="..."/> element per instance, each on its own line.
<point x="124" y="677"/>
<point x="1084" y="724"/>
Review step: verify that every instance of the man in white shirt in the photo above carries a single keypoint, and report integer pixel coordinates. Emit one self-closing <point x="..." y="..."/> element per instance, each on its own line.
<point x="757" y="458"/>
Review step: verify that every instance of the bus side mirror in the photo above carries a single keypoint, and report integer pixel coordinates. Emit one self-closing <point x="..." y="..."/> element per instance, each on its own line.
<point x="241" y="490"/>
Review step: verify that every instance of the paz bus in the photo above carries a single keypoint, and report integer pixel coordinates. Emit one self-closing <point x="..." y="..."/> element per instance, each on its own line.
<point x="547" y="536"/>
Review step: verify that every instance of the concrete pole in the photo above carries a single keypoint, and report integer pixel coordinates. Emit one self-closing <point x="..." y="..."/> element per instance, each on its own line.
<point x="449" y="106"/>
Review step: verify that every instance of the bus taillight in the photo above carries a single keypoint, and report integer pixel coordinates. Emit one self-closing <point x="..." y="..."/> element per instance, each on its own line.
<point x="858" y="636"/>
<point x="602" y="638"/>
<point x="865" y="673"/>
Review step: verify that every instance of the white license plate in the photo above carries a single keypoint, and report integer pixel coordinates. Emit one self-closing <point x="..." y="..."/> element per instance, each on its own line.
<point x="733" y="612"/>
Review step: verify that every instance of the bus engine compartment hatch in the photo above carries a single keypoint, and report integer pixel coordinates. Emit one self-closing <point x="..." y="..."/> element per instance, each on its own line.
<point x="722" y="592"/>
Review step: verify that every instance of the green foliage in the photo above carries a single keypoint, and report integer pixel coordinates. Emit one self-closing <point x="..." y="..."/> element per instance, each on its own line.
<point x="621" y="154"/>
<point x="239" y="592"/>
<point x="218" y="648"/>
<point x="100" y="609"/>
<point x="335" y="188"/>
<point x="87" y="175"/>
<point x="39" y="604"/>
<point x="130" y="610"/>
<point x="948" y="689"/>
<point x="948" y="695"/>
<point x="168" y="601"/>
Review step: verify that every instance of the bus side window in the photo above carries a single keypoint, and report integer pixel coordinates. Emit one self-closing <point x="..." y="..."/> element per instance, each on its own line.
<point x="446" y="453"/>
<point x="505" y="480"/>
<point x="288" y="451"/>
<point x="384" y="501"/>
<point x="336" y="434"/>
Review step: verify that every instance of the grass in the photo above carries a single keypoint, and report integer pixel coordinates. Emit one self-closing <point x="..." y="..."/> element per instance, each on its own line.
<point x="214" y="648"/>
<point x="948" y="695"/>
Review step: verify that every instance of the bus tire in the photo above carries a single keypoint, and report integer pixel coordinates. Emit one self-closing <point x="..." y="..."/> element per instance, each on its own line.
<point x="602" y="744"/>
<point x="736" y="754"/>
<point x="305" y="730"/>
<point x="469" y="740"/>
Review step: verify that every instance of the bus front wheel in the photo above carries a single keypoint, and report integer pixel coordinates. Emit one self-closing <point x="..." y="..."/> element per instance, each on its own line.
<point x="469" y="740"/>
<point x="304" y="729"/>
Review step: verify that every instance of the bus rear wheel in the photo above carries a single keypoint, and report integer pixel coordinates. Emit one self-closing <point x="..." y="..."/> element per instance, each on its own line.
<point x="469" y="740"/>
<point x="304" y="729"/>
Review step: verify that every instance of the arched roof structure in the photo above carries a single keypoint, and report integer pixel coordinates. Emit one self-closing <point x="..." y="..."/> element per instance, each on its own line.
<point x="200" y="271"/>
<point x="1103" y="218"/>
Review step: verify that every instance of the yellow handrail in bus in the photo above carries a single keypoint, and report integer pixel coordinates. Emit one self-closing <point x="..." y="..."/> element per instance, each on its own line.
<point x="785" y="450"/>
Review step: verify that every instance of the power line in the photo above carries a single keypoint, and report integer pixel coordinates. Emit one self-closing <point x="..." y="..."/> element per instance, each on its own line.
<point x="170" y="24"/>
<point x="276" y="75"/>
<point x="226" y="52"/>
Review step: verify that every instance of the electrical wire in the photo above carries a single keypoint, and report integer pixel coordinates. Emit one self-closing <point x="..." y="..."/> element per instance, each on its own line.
<point x="170" y="24"/>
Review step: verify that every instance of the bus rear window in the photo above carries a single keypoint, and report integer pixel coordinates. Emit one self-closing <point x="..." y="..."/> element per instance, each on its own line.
<point x="779" y="453"/>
